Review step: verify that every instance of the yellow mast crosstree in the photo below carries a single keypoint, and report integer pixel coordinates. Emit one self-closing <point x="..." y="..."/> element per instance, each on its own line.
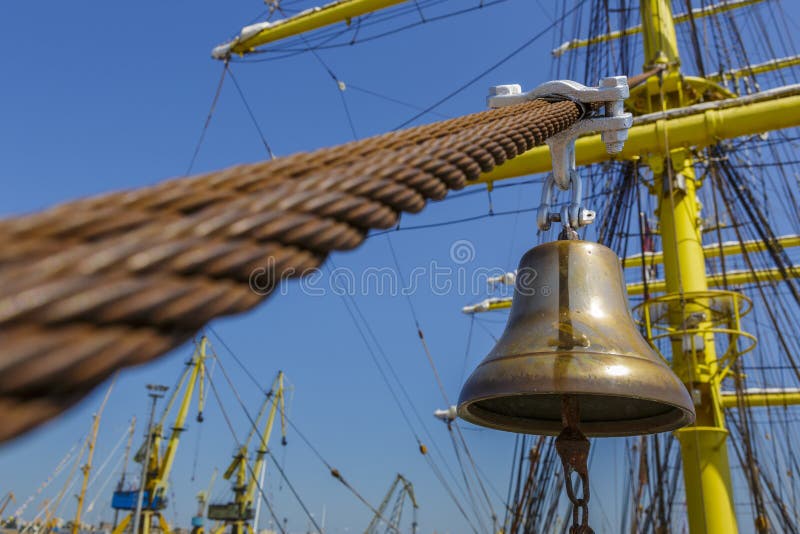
<point x="668" y="126"/>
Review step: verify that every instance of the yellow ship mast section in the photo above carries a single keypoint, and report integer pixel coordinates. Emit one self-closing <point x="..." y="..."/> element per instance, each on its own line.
<point x="706" y="468"/>
<point x="159" y="466"/>
<point x="263" y="33"/>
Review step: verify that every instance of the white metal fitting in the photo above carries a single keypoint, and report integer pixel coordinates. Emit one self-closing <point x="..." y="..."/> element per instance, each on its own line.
<point x="613" y="125"/>
<point x="508" y="279"/>
<point x="448" y="415"/>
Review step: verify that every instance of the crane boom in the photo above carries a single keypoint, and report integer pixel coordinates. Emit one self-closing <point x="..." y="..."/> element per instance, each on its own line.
<point x="87" y="468"/>
<point x="392" y="523"/>
<point x="196" y="378"/>
<point x="277" y="403"/>
<point x="7" y="499"/>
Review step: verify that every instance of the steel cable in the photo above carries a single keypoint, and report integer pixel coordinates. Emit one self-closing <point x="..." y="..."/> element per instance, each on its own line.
<point x="98" y="284"/>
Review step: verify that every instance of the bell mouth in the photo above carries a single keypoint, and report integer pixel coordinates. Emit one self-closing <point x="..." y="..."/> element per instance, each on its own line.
<point x="601" y="415"/>
<point x="618" y="394"/>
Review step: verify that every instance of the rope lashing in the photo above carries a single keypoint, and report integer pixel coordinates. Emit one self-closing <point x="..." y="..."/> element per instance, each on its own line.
<point x="102" y="283"/>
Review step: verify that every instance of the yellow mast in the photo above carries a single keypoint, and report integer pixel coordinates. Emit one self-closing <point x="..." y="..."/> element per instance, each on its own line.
<point x="87" y="468"/>
<point x="262" y="33"/>
<point x="706" y="469"/>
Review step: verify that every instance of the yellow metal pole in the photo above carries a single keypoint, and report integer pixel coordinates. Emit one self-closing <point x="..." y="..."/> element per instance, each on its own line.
<point x="697" y="13"/>
<point x="718" y="280"/>
<point x="703" y="128"/>
<point x="762" y="397"/>
<point x="706" y="469"/>
<point x="713" y="250"/>
<point x="262" y="33"/>
<point x="758" y="68"/>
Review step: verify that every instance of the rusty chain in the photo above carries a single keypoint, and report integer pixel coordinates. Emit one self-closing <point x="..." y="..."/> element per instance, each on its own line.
<point x="573" y="449"/>
<point x="103" y="283"/>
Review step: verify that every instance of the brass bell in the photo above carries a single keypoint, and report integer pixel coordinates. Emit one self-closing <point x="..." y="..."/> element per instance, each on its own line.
<point x="571" y="333"/>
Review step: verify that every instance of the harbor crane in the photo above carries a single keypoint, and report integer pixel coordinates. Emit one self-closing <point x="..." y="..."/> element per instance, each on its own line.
<point x="401" y="489"/>
<point x="7" y="499"/>
<point x="239" y="513"/>
<point x="91" y="441"/>
<point x="158" y="463"/>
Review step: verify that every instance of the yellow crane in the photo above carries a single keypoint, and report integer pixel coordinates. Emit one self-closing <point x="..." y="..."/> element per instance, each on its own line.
<point x="157" y="465"/>
<point x="239" y="513"/>
<point x="406" y="490"/>
<point x="50" y="509"/>
<point x="7" y="499"/>
<point x="91" y="440"/>
<point x="198" y="526"/>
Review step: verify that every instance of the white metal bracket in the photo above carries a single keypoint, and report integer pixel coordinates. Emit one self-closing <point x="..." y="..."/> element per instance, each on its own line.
<point x="612" y="124"/>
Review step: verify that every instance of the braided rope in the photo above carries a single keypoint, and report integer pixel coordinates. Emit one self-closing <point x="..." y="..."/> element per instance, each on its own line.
<point x="103" y="283"/>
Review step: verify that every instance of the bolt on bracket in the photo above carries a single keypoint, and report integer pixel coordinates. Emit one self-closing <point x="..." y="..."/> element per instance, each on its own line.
<point x="613" y="126"/>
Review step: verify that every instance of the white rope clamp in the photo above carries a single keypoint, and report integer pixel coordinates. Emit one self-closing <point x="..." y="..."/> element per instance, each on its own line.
<point x="613" y="126"/>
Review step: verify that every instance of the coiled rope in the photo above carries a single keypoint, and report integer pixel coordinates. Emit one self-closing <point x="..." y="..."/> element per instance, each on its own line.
<point x="98" y="284"/>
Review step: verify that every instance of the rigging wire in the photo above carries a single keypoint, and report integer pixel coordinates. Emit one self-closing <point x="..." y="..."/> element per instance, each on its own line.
<point x="442" y="389"/>
<point x="325" y="37"/>
<point x="208" y="120"/>
<point x="437" y="472"/>
<point x="250" y="112"/>
<point x="340" y="85"/>
<point x="490" y="69"/>
<point x="395" y="100"/>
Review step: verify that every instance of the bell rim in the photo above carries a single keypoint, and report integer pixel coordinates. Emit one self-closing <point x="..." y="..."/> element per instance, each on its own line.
<point x="676" y="418"/>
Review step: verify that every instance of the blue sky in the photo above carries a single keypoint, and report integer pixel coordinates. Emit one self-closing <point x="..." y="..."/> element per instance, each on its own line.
<point x="100" y="96"/>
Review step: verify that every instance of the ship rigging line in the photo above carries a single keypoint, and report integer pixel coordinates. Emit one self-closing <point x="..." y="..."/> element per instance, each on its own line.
<point x="339" y="84"/>
<point x="353" y="305"/>
<point x="729" y="173"/>
<point x="492" y="68"/>
<point x="208" y="121"/>
<point x="323" y="37"/>
<point x="486" y="215"/>
<point x="250" y="112"/>
<point x="395" y="100"/>
<point x="443" y="391"/>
